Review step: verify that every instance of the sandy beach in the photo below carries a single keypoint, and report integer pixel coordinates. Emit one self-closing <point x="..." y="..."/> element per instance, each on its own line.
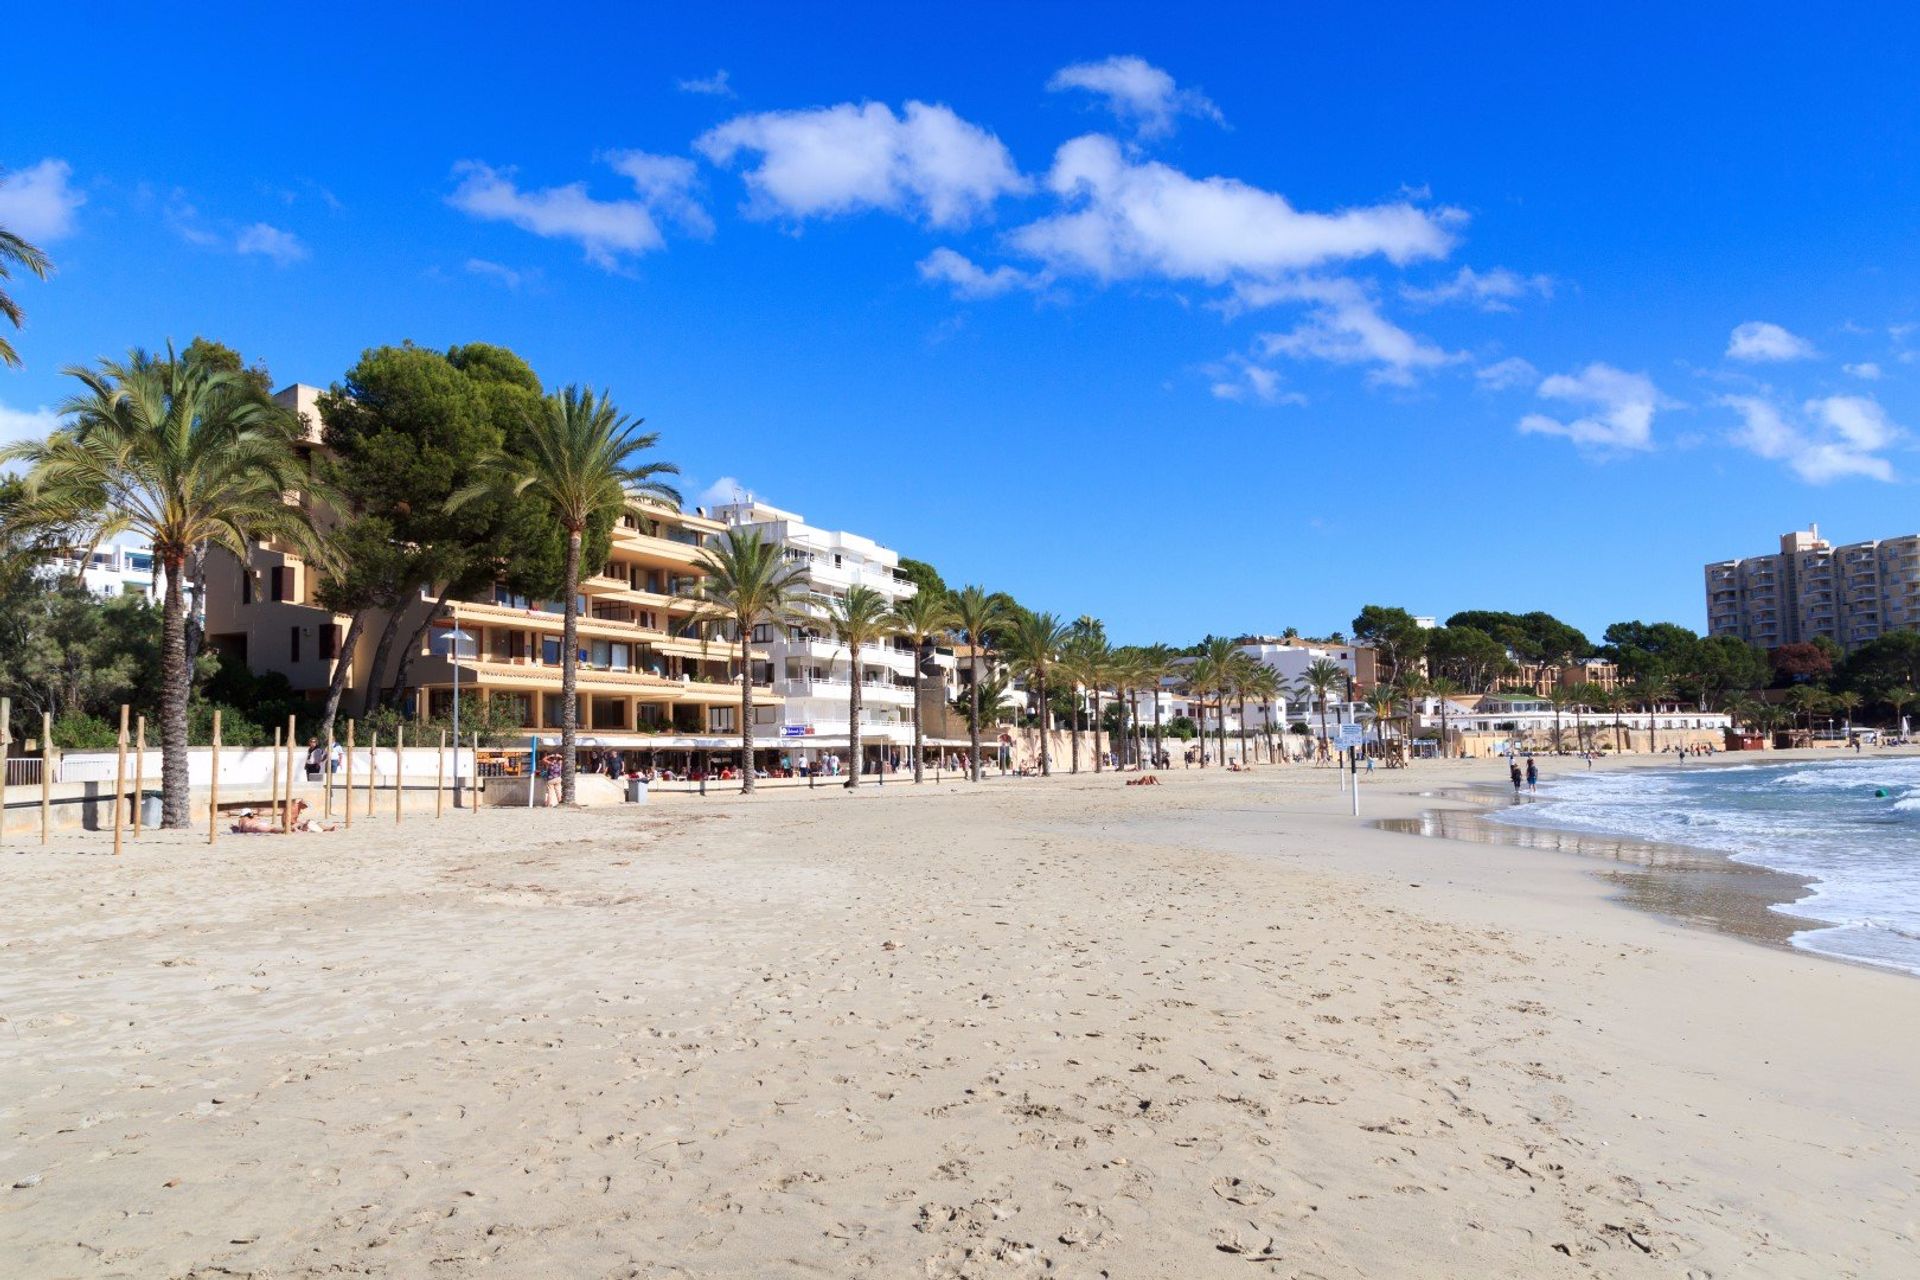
<point x="1033" y="1028"/>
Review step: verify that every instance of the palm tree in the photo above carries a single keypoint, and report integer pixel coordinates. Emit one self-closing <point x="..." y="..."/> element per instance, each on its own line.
<point x="1156" y="664"/>
<point x="1560" y="697"/>
<point x="1899" y="699"/>
<point x="976" y="617"/>
<point x="745" y="582"/>
<point x="1381" y="702"/>
<point x="858" y="620"/>
<point x="580" y="458"/>
<point x="1442" y="690"/>
<point x="1034" y="648"/>
<point x="16" y="252"/>
<point x="1089" y="660"/>
<point x="1847" y="702"/>
<point x="1320" y="678"/>
<point x="1263" y="683"/>
<point x="1648" y="691"/>
<point x="1242" y="671"/>
<point x="1222" y="660"/>
<point x="919" y="618"/>
<point x="1805" y="700"/>
<point x="182" y="455"/>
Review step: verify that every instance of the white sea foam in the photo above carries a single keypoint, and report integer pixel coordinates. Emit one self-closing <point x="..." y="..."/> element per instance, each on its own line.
<point x="1852" y="826"/>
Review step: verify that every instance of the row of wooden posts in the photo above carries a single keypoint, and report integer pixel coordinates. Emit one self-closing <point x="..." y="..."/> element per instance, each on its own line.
<point x="281" y="806"/>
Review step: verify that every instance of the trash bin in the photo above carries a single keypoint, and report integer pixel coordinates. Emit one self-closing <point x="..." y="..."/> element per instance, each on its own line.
<point x="637" y="790"/>
<point x="149" y="808"/>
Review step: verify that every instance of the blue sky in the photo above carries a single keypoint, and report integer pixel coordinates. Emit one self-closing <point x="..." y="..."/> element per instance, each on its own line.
<point x="1223" y="324"/>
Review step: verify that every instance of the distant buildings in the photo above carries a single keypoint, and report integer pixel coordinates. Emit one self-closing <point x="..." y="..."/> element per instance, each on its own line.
<point x="109" y="571"/>
<point x="1810" y="588"/>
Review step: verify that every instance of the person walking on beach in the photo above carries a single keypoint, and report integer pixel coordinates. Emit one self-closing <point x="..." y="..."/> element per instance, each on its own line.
<point x="1513" y="771"/>
<point x="316" y="759"/>
<point x="1533" y="775"/>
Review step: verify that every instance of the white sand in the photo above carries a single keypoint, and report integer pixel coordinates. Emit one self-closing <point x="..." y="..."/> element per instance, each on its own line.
<point x="1062" y="1028"/>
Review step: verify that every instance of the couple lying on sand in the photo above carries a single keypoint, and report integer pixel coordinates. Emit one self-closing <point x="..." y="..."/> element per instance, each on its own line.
<point x="251" y="824"/>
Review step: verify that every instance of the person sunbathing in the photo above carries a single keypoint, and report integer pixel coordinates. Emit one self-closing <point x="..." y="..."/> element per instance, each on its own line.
<point x="252" y="824"/>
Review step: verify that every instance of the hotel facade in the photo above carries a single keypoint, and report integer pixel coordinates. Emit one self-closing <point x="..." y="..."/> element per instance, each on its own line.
<point x="1849" y="594"/>
<point x="645" y="679"/>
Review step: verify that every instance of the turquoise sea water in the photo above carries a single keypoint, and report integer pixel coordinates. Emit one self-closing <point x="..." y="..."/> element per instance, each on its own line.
<point x="1824" y="821"/>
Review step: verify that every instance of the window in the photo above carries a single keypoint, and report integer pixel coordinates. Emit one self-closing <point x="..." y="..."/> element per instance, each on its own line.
<point x="764" y="715"/>
<point x="550" y="650"/>
<point x="517" y="646"/>
<point x="721" y="720"/>
<point x="511" y="599"/>
<point x="622" y="657"/>
<point x="293" y="644"/>
<point x="762" y="633"/>
<point x="330" y="641"/>
<point x="601" y="654"/>
<point x="246" y="587"/>
<point x="279" y="579"/>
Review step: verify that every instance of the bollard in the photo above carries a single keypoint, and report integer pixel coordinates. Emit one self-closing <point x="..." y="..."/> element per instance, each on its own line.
<point x="120" y="782"/>
<point x="273" y="787"/>
<point x="373" y="747"/>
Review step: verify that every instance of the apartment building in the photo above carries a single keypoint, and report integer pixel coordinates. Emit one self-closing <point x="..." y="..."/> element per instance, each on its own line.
<point x="645" y="679"/>
<point x="813" y="672"/>
<point x="1849" y="594"/>
<point x="109" y="571"/>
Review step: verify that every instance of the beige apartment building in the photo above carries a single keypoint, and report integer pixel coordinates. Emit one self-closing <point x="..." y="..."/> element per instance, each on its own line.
<point x="1850" y="594"/>
<point x="643" y="681"/>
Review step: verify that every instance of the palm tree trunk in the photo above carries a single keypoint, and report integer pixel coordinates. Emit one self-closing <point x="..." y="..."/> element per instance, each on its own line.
<point x="570" y="669"/>
<point x="342" y="667"/>
<point x="1326" y="742"/>
<point x="746" y="710"/>
<point x="1074" y="726"/>
<point x="973" y="726"/>
<point x="1156" y="722"/>
<point x="919" y="770"/>
<point x="1097" y="761"/>
<point x="1220" y="734"/>
<point x="1243" y="728"/>
<point x="175" y="684"/>
<point x="854" y="762"/>
<point x="1046" y="722"/>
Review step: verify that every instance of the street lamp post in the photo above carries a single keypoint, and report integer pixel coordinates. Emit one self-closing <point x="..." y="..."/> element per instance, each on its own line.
<point x="455" y="645"/>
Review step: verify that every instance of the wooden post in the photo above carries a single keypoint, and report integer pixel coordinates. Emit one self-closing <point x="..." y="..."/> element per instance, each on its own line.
<point x="326" y="778"/>
<point x="213" y="784"/>
<point x="373" y="745"/>
<point x="292" y="747"/>
<point x="273" y="789"/>
<point x="139" y="769"/>
<point x="346" y="810"/>
<point x="46" y="776"/>
<point x="399" y="747"/>
<point x="440" y="780"/>
<point x="6" y="751"/>
<point x="473" y="792"/>
<point x="120" y="783"/>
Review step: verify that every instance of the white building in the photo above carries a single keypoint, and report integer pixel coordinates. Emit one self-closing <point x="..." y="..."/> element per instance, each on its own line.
<point x="811" y="670"/>
<point x="111" y="571"/>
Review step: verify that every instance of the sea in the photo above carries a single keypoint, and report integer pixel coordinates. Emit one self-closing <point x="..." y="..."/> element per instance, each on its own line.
<point x="1852" y="826"/>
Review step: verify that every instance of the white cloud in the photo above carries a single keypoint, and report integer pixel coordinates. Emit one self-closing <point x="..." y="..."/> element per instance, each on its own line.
<point x="284" y="247"/>
<point x="1756" y="340"/>
<point x="713" y="86"/>
<point x="826" y="161"/>
<point x="1866" y="369"/>
<point x="26" y="424"/>
<point x="1137" y="219"/>
<point x="1495" y="290"/>
<point x="494" y="271"/>
<point x="1623" y="406"/>
<point x="970" y="280"/>
<point x="1838" y="436"/>
<point x="36" y="204"/>
<point x="1344" y="326"/>
<point x="666" y="185"/>
<point x="604" y="229"/>
<point x="1136" y="92"/>
<point x="1505" y="374"/>
<point x="725" y="489"/>
<point x="1239" y="379"/>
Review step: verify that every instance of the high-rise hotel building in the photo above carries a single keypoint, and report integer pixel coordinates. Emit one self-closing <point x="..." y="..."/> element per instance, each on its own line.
<point x="1849" y="594"/>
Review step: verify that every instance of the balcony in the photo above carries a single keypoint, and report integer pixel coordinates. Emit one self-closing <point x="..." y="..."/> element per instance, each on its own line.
<point x="832" y="687"/>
